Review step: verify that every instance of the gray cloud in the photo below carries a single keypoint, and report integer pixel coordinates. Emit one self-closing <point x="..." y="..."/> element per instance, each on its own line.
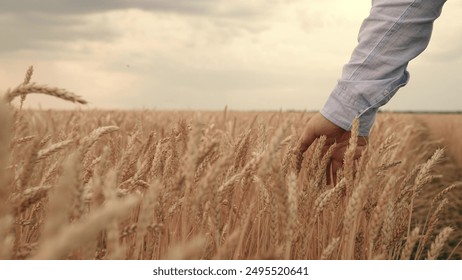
<point x="51" y="24"/>
<point x="91" y="6"/>
<point x="41" y="32"/>
<point x="202" y="7"/>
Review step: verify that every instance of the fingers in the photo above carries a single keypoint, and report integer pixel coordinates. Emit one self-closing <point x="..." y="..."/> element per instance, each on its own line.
<point x="339" y="152"/>
<point x="319" y="125"/>
<point x="304" y="143"/>
<point x="338" y="155"/>
<point x="336" y="165"/>
<point x="306" y="140"/>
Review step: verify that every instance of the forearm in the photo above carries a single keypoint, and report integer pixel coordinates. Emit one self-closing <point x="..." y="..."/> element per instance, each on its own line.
<point x="395" y="32"/>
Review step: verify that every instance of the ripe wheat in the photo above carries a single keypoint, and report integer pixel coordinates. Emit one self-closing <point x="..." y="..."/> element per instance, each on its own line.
<point x="185" y="185"/>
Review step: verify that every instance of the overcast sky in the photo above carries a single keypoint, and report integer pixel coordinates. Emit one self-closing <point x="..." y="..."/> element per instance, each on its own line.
<point x="206" y="54"/>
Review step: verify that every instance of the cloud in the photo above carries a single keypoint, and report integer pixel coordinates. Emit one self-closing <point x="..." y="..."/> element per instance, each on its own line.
<point x="52" y="24"/>
<point x="91" y="6"/>
<point x="235" y="8"/>
<point x="42" y="32"/>
<point x="182" y="54"/>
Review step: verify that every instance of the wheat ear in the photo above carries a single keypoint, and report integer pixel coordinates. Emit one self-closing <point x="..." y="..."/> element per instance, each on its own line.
<point x="27" y="78"/>
<point x="410" y="243"/>
<point x="74" y="235"/>
<point x="23" y="90"/>
<point x="438" y="244"/>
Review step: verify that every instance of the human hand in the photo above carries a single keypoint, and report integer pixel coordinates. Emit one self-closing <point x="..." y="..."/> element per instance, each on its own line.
<point x="317" y="126"/>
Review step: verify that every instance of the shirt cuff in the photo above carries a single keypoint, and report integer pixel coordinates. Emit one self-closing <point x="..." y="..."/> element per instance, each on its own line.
<point x="343" y="115"/>
<point x="351" y="99"/>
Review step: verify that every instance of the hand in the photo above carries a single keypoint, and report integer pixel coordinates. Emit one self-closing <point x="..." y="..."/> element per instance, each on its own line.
<point x="318" y="125"/>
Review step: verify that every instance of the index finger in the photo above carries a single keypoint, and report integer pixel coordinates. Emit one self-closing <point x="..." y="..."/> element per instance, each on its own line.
<point x="304" y="143"/>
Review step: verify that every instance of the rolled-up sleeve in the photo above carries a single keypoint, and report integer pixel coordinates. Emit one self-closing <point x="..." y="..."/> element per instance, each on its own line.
<point x="395" y="32"/>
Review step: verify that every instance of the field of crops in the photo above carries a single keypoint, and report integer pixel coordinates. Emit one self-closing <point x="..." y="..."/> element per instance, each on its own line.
<point x="217" y="185"/>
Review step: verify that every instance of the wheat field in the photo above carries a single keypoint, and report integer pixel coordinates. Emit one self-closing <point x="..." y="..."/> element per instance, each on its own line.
<point x="94" y="184"/>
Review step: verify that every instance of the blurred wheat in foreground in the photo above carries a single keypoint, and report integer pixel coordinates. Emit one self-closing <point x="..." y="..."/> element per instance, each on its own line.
<point x="184" y="185"/>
